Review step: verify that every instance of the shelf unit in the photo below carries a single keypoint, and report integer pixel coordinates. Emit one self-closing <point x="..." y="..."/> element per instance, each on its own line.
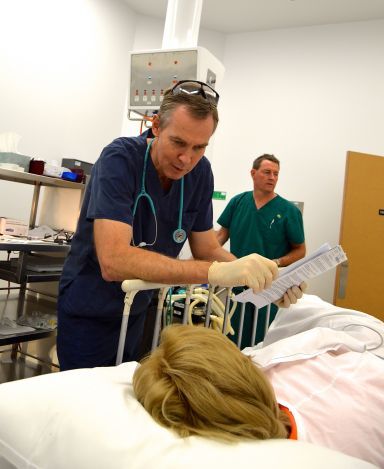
<point x="38" y="182"/>
<point x="19" y="273"/>
<point x="10" y="307"/>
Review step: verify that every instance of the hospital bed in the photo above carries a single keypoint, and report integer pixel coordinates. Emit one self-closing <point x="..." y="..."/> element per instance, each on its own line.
<point x="90" y="418"/>
<point x="203" y="304"/>
<point x="212" y="308"/>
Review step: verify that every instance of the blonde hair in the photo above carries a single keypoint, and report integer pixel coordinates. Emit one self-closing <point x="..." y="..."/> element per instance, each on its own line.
<point x="197" y="382"/>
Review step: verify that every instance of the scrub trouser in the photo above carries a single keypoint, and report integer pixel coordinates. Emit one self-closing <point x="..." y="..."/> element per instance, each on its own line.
<point x="87" y="342"/>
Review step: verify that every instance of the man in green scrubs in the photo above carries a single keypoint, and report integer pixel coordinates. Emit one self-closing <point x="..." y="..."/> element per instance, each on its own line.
<point x="262" y="222"/>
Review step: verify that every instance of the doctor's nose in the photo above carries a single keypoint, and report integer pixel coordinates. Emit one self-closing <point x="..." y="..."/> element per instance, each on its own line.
<point x="185" y="157"/>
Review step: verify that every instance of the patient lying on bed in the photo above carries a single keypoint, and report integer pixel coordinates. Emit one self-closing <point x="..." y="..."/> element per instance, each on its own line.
<point x="198" y="383"/>
<point x="91" y="419"/>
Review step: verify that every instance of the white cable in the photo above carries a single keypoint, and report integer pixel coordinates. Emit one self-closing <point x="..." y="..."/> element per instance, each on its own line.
<point x="368" y="327"/>
<point x="200" y="295"/>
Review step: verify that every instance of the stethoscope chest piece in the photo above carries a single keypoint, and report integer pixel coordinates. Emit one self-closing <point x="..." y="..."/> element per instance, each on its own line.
<point x="179" y="235"/>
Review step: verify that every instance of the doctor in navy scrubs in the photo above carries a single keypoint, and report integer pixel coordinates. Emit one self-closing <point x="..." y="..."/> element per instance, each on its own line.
<point x="145" y="198"/>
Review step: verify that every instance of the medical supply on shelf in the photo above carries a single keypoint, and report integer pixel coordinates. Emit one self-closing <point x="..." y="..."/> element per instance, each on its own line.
<point x="36" y="166"/>
<point x="69" y="176"/>
<point x="9" y="327"/>
<point x="52" y="169"/>
<point x="10" y="226"/>
<point x="38" y="320"/>
<point x="77" y="166"/>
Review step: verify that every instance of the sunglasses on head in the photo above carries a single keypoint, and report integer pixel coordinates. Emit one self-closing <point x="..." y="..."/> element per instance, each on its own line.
<point x="194" y="87"/>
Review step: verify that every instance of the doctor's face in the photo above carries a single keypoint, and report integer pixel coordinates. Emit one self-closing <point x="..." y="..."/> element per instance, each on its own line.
<point x="180" y="144"/>
<point x="266" y="176"/>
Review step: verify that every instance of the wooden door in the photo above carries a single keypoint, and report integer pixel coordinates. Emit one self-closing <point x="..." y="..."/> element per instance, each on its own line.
<point x="360" y="281"/>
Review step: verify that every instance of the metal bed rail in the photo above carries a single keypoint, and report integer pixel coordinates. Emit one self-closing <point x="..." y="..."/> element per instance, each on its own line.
<point x="132" y="287"/>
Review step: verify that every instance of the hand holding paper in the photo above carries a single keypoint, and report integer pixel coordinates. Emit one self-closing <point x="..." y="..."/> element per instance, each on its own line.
<point x="322" y="260"/>
<point x="255" y="271"/>
<point x="291" y="296"/>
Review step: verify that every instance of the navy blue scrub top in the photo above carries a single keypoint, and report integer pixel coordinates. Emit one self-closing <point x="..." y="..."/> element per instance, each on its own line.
<point x="114" y="185"/>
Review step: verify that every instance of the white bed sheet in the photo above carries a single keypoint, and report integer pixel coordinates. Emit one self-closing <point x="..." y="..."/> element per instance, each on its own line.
<point x="90" y="419"/>
<point x="311" y="311"/>
<point x="333" y="386"/>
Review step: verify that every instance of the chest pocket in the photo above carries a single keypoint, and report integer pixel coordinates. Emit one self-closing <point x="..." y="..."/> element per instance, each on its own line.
<point x="171" y="221"/>
<point x="276" y="235"/>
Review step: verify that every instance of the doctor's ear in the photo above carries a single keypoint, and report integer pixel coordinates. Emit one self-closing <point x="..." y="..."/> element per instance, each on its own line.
<point x="155" y="125"/>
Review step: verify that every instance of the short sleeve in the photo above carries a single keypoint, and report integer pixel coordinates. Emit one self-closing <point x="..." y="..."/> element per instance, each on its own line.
<point x="295" y="227"/>
<point x="225" y="218"/>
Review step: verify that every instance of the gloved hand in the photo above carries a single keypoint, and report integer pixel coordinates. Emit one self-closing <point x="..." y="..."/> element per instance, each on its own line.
<point x="291" y="296"/>
<point x="254" y="271"/>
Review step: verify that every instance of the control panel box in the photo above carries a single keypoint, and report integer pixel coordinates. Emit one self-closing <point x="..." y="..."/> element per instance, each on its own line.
<point x="152" y="72"/>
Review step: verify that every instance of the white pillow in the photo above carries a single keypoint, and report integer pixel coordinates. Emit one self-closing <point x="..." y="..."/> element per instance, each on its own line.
<point x="89" y="418"/>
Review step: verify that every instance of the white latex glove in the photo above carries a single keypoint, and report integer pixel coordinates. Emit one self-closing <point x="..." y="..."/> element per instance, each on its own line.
<point x="291" y="296"/>
<point x="254" y="271"/>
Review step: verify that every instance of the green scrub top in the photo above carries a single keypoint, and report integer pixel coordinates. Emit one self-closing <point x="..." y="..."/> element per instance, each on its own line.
<point x="268" y="231"/>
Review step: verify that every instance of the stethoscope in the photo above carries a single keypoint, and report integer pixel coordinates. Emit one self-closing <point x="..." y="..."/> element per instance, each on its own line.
<point x="179" y="235"/>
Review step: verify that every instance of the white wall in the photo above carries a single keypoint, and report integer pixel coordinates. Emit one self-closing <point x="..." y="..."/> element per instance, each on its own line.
<point x="63" y="73"/>
<point x="62" y="79"/>
<point x="308" y="96"/>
